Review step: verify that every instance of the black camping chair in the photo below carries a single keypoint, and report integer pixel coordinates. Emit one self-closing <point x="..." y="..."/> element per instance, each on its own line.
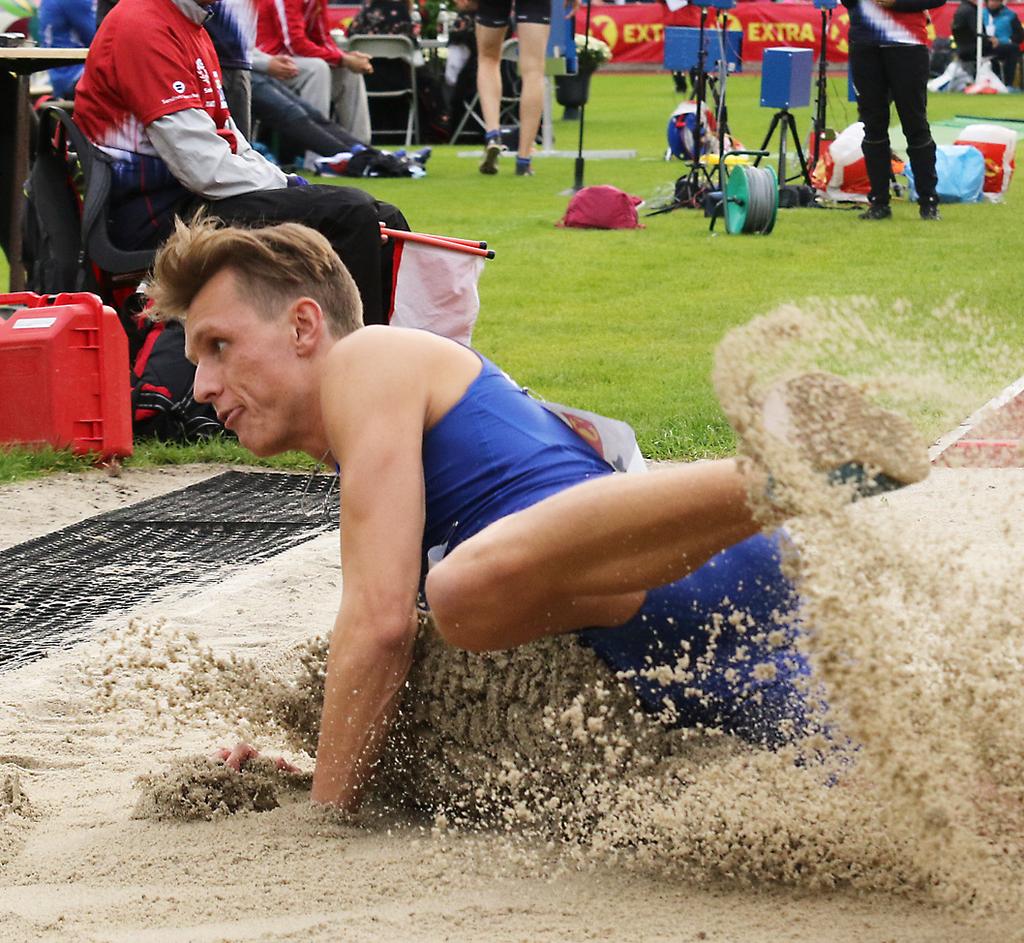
<point x="96" y="245"/>
<point x="399" y="49"/>
<point x="51" y="224"/>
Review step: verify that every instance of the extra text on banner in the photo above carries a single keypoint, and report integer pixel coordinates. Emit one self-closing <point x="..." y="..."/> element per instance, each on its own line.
<point x="635" y="31"/>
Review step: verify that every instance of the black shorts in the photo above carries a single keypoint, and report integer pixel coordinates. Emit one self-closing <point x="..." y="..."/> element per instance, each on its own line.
<point x="499" y="12"/>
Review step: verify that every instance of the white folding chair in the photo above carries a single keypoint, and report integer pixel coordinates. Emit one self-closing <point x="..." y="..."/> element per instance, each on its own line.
<point x="509" y="103"/>
<point x="393" y="47"/>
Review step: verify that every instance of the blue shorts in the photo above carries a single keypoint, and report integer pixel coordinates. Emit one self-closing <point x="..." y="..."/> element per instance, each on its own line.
<point x="731" y="622"/>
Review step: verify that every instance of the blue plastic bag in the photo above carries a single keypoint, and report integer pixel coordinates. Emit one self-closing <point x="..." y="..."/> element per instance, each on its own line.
<point x="961" y="172"/>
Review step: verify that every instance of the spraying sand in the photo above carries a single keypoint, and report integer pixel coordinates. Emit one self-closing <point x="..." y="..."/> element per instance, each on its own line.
<point x="524" y="795"/>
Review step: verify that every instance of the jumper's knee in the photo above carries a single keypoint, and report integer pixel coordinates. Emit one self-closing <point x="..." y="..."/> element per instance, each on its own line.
<point x="471" y="594"/>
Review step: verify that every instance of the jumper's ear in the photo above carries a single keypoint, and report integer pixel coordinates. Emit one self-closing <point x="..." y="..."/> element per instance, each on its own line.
<point x="308" y="324"/>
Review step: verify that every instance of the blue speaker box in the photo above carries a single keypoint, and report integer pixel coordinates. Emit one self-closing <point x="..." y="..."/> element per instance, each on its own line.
<point x="786" y="77"/>
<point x="682" y="45"/>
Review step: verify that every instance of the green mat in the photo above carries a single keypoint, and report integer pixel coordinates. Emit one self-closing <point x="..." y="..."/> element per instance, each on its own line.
<point x="948" y="130"/>
<point x="963" y="120"/>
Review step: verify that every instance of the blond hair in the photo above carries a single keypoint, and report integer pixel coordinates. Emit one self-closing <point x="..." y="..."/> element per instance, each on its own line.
<point x="272" y="265"/>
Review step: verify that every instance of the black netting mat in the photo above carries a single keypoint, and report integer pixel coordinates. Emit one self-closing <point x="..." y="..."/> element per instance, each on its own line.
<point x="52" y="587"/>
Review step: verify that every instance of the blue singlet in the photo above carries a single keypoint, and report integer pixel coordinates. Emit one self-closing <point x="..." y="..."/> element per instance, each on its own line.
<point x="498" y="451"/>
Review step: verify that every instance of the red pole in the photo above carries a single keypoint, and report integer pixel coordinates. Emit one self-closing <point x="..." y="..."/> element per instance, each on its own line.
<point x="439" y="242"/>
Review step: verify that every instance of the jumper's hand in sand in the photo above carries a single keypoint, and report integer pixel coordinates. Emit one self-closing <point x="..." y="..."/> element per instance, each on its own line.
<point x="237" y="758"/>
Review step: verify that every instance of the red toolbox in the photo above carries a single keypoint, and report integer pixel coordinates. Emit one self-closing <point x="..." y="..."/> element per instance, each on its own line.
<point x="64" y="374"/>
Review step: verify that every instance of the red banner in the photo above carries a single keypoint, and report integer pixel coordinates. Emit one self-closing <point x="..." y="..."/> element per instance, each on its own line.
<point x="338" y="17"/>
<point x="635" y="32"/>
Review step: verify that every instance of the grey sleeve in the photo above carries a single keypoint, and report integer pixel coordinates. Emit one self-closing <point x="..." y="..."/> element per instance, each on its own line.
<point x="260" y="60"/>
<point x="203" y="162"/>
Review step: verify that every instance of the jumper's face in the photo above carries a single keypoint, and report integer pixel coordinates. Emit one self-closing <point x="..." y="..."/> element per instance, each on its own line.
<point x="247" y="366"/>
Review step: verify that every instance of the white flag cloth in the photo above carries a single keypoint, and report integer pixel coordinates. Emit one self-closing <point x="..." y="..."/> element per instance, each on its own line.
<point x="436" y="290"/>
<point x="612" y="439"/>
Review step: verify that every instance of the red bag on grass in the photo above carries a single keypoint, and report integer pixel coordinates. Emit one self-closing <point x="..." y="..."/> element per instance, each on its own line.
<point x="602" y="207"/>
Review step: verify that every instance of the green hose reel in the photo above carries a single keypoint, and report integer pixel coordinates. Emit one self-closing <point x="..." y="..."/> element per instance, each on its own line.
<point x="751" y="200"/>
<point x="748" y="196"/>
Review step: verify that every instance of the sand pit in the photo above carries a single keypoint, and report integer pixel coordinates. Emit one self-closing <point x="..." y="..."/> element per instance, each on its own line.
<point x="662" y="855"/>
<point x="544" y="807"/>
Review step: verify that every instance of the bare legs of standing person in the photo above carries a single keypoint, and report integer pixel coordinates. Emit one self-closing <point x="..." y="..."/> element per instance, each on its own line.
<point x="488" y="86"/>
<point x="533" y="39"/>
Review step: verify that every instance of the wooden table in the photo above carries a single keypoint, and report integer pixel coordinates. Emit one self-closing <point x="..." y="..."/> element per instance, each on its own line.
<point x="16" y="65"/>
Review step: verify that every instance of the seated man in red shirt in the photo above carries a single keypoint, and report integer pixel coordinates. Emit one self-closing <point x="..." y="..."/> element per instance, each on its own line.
<point x="327" y="76"/>
<point x="151" y="97"/>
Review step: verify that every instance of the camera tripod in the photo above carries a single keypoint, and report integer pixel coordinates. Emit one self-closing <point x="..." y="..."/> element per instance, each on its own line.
<point x="784" y="121"/>
<point x="820" y="130"/>
<point x="693" y="186"/>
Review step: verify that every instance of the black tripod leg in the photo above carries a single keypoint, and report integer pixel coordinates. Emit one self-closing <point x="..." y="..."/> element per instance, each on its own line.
<point x="723" y="130"/>
<point x="799" y="150"/>
<point x="715" y="96"/>
<point x="714" y="217"/>
<point x="771" y="130"/>
<point x="820" y="104"/>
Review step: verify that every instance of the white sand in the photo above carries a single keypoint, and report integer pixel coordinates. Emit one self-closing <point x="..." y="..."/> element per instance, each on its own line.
<point x="75" y="865"/>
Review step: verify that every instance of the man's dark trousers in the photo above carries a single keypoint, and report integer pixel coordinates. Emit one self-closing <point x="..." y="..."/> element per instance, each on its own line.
<point x="898" y="73"/>
<point x="299" y="123"/>
<point x="350" y="219"/>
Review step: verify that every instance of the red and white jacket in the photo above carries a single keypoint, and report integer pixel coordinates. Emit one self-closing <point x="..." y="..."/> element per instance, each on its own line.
<point x="151" y="97"/>
<point x="152" y="88"/>
<point x="295" y="28"/>
<point x="905" y="23"/>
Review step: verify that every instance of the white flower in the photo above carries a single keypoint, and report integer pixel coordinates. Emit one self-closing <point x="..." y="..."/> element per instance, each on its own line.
<point x="593" y="53"/>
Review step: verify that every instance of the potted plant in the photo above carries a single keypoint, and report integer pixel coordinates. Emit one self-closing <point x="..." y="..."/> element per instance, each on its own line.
<point x="573" y="91"/>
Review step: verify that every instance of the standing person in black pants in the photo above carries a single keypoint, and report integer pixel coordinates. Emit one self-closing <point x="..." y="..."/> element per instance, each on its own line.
<point x="889" y="62"/>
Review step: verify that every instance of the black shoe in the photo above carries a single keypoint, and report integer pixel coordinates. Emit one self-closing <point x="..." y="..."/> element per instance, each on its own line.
<point x="492" y="152"/>
<point x="929" y="211"/>
<point x="877" y="211"/>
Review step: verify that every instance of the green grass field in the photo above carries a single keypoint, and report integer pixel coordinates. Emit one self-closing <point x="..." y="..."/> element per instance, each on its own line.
<point x="626" y="322"/>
